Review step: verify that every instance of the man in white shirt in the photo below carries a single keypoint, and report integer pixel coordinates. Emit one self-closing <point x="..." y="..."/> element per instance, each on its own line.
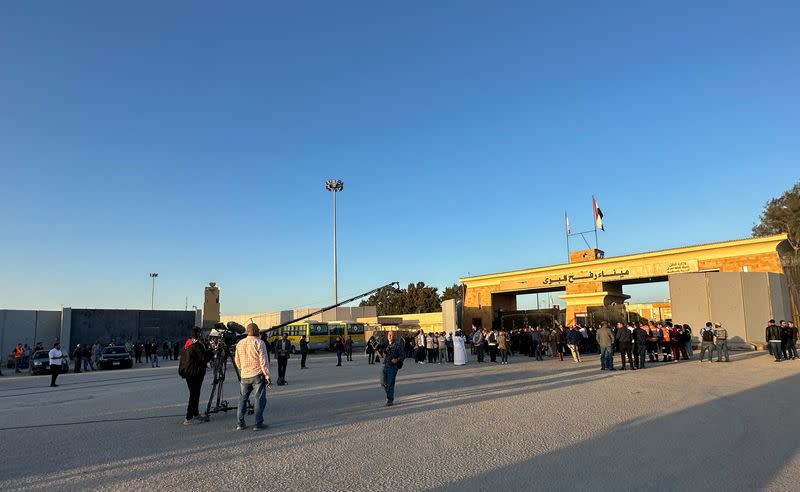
<point x="251" y="359"/>
<point x="56" y="356"/>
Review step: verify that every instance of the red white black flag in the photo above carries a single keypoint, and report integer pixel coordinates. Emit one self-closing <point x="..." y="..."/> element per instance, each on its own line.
<point x="598" y="215"/>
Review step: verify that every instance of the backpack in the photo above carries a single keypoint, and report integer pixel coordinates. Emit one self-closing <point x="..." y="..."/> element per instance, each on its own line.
<point x="183" y="363"/>
<point x="708" y="335"/>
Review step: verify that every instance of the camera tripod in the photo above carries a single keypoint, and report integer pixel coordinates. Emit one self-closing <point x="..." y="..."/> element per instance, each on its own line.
<point x="219" y="364"/>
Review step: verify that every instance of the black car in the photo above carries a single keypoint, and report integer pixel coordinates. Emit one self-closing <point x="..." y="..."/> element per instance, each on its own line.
<point x="40" y="363"/>
<point x="115" y="357"/>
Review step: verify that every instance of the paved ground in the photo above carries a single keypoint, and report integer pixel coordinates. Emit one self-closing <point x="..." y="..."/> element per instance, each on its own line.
<point x="523" y="426"/>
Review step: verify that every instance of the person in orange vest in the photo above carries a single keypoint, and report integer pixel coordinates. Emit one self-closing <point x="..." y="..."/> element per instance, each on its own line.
<point x="653" y="342"/>
<point x="666" y="344"/>
<point x="19" y="352"/>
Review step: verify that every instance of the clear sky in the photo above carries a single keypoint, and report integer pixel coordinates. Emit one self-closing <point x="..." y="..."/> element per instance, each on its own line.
<point x="194" y="139"/>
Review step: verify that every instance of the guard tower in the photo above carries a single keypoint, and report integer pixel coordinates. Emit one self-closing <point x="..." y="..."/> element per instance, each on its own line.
<point x="211" y="306"/>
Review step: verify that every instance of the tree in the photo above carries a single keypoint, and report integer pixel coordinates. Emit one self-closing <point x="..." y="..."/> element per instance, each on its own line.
<point x="452" y="292"/>
<point x="416" y="298"/>
<point x="782" y="215"/>
<point x="388" y="300"/>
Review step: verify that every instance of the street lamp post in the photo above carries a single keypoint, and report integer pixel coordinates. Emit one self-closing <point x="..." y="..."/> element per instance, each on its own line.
<point x="153" y="291"/>
<point x="335" y="186"/>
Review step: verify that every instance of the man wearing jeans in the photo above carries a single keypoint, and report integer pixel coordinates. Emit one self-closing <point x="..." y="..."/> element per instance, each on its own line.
<point x="393" y="354"/>
<point x="605" y="339"/>
<point x="251" y="359"/>
<point x="721" y="336"/>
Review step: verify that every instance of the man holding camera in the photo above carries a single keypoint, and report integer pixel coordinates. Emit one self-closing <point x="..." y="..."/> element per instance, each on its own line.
<point x="251" y="359"/>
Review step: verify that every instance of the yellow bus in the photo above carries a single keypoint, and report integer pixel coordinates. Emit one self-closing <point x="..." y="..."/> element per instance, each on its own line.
<point x="348" y="329"/>
<point x="316" y="333"/>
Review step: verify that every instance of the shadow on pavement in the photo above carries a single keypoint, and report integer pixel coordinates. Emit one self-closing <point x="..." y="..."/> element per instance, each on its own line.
<point x="739" y="442"/>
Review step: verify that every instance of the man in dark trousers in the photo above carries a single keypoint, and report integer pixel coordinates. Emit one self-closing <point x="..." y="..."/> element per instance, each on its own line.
<point x="338" y="346"/>
<point x="56" y="358"/>
<point x="624" y="339"/>
<point x="138" y="348"/>
<point x="303" y="351"/>
<point x="147" y="348"/>
<point x="348" y="348"/>
<point x="639" y="345"/>
<point x="192" y="367"/>
<point x="78" y="354"/>
<point x="282" y="349"/>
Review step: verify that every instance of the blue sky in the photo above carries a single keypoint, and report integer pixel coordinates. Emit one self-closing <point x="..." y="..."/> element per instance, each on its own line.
<point x="194" y="139"/>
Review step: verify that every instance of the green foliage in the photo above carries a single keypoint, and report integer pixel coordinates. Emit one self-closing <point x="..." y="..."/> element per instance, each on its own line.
<point x="416" y="298"/>
<point x="452" y="292"/>
<point x="782" y="214"/>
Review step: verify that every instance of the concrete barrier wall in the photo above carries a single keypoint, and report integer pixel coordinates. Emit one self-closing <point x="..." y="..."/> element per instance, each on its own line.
<point x="28" y="326"/>
<point x="121" y="325"/>
<point x="743" y="302"/>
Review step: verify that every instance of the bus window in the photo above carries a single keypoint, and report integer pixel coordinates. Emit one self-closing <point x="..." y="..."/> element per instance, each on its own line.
<point x="337" y="330"/>
<point x="319" y="329"/>
<point x="355" y="329"/>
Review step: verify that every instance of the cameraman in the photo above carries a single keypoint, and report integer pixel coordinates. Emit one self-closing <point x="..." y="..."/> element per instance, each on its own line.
<point x="251" y="359"/>
<point x="192" y="367"/>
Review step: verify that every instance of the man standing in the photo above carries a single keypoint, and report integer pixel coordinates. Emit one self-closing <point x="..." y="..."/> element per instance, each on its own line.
<point x="721" y="337"/>
<point x="624" y="338"/>
<point x="348" y="348"/>
<point x="303" y="351"/>
<point x="491" y="341"/>
<point x="792" y="340"/>
<point x="78" y="354"/>
<point x="420" y="342"/>
<point x="56" y="358"/>
<point x="154" y="354"/>
<point x="192" y="367"/>
<point x="251" y="359"/>
<point x="87" y="357"/>
<point x="640" y="345"/>
<point x="477" y="342"/>
<point x="605" y="339"/>
<point x="338" y="346"/>
<point x="137" y="351"/>
<point x="282" y="349"/>
<point x="536" y="341"/>
<point x="774" y="338"/>
<point x="573" y="339"/>
<point x="147" y="348"/>
<point x="19" y="351"/>
<point x="442" y="348"/>
<point x="393" y="354"/>
<point x="707" y="342"/>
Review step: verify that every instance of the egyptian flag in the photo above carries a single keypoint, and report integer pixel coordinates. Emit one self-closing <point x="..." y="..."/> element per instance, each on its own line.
<point x="598" y="215"/>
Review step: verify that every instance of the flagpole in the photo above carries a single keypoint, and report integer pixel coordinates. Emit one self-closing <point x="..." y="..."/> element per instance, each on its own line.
<point x="566" y="226"/>
<point x="594" y="216"/>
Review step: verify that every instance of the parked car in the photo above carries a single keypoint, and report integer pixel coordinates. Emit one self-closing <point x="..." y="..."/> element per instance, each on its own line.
<point x="115" y="357"/>
<point x="40" y="363"/>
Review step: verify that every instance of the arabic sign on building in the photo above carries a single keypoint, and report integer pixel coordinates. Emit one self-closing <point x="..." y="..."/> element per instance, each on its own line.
<point x="603" y="275"/>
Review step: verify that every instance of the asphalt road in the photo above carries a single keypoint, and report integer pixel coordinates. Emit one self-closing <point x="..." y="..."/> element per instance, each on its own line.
<point x="528" y="425"/>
